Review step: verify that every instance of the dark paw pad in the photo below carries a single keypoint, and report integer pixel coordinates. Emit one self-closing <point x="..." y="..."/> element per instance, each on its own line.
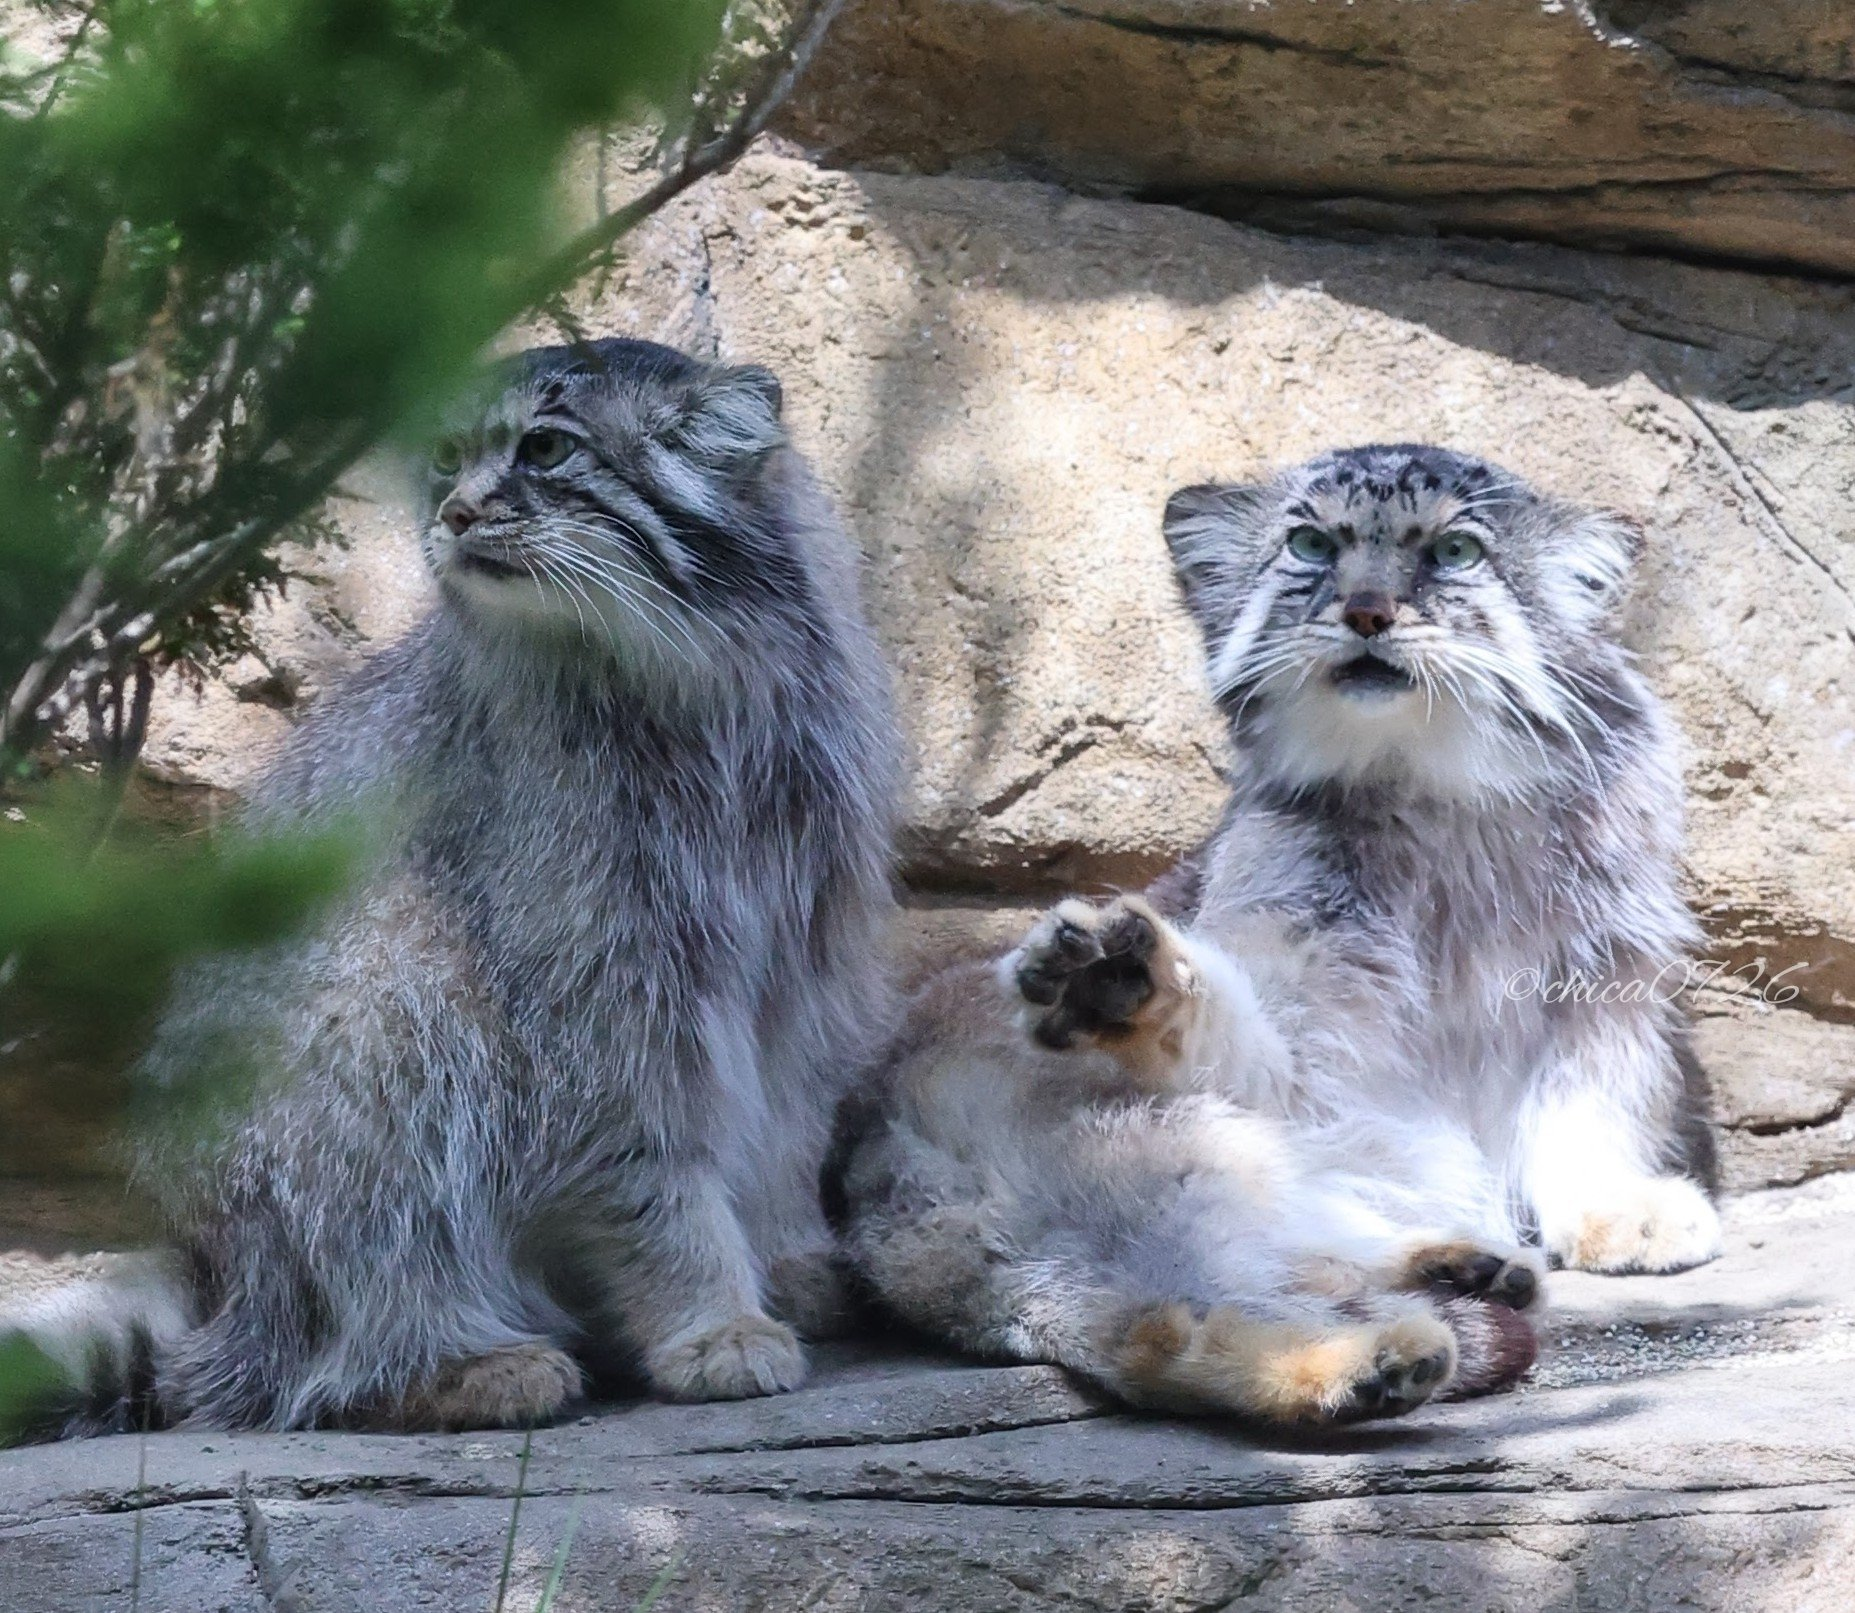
<point x="1049" y="966"/>
<point x="1482" y="1274"/>
<point x="1093" y="981"/>
<point x="1516" y="1287"/>
<point x="1397" y="1383"/>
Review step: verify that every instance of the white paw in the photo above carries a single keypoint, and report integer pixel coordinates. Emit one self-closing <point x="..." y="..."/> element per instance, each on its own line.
<point x="1657" y="1224"/>
<point x="747" y="1355"/>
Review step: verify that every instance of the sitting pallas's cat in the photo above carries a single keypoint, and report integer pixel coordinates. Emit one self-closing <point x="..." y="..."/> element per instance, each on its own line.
<point x="558" y="1080"/>
<point x="1200" y="1162"/>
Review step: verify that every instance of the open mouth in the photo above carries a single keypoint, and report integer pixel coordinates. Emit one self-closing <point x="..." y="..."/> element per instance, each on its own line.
<point x="1368" y="672"/>
<point x="489" y="565"/>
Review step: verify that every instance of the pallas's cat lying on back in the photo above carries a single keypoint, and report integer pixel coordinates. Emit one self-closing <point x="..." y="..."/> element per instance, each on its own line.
<point x="559" y="1078"/>
<point x="1417" y="997"/>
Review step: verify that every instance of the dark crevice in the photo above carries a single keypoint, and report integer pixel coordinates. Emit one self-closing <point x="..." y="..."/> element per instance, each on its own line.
<point x="413" y="1487"/>
<point x="828" y="1442"/>
<point x="1805" y="94"/>
<point x="1416" y="1488"/>
<point x="1634" y="22"/>
<point x="1018" y="789"/>
<point x="1400" y="215"/>
<point x="1224" y="34"/>
<point x="1786" y="1128"/>
<point x="275" y="1587"/>
<point x="277" y="1583"/>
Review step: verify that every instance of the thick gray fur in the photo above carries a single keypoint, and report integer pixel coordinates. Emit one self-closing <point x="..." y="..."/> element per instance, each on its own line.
<point x="559" y="1077"/>
<point x="1422" y="994"/>
<point x="1460" y="903"/>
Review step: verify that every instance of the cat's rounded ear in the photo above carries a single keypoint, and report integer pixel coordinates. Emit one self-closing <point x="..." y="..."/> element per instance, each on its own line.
<point x="1206" y="527"/>
<point x="733" y="415"/>
<point x="1591" y="559"/>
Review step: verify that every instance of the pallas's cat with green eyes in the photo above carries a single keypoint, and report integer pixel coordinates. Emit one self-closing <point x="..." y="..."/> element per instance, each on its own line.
<point x="1406" y="1009"/>
<point x="1451" y="855"/>
<point x="554" y="1084"/>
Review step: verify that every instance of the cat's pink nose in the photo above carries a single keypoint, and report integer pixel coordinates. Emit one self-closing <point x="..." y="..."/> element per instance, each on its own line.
<point x="1368" y="613"/>
<point x="457" y="514"/>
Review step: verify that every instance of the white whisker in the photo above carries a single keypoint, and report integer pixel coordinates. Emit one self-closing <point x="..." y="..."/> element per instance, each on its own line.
<point x="653" y="615"/>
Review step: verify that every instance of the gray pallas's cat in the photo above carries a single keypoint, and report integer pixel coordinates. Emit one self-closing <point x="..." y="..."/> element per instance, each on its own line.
<point x="557" y="1082"/>
<point x="1417" y="997"/>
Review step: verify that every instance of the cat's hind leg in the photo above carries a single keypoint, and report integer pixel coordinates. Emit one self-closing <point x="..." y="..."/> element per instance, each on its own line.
<point x="394" y="1307"/>
<point x="1485" y="1294"/>
<point x="956" y="1271"/>
<point x="1176" y="1357"/>
<point x="1469" y="1269"/>
<point x="514" y="1386"/>
<point x="442" y="1355"/>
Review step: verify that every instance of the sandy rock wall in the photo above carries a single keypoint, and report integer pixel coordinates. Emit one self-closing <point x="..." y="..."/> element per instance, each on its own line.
<point x="1692" y="127"/>
<point x="1001" y="379"/>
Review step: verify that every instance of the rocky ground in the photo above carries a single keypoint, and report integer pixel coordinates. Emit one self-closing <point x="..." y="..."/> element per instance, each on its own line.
<point x="1687" y="1442"/>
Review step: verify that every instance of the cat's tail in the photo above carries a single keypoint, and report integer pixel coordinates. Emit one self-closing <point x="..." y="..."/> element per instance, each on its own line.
<point x="1495" y="1346"/>
<point x="80" y="1349"/>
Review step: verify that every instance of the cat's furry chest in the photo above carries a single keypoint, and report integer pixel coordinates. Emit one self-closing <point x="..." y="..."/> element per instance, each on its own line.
<point x="1446" y="929"/>
<point x="640" y="865"/>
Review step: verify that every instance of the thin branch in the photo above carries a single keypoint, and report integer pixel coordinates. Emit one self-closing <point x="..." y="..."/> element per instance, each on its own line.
<point x="61" y="70"/>
<point x="95" y="630"/>
<point x="104" y="623"/>
<point x="781" y="70"/>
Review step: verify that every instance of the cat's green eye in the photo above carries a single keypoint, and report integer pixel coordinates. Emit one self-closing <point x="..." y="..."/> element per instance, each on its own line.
<point x="1455" y="551"/>
<point x="1311" y="544"/>
<point x="544" y="448"/>
<point x="448" y="458"/>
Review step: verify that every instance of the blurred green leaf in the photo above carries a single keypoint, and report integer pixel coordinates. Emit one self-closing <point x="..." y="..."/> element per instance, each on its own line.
<point x="244" y="243"/>
<point x="122" y="916"/>
<point x="30" y="1383"/>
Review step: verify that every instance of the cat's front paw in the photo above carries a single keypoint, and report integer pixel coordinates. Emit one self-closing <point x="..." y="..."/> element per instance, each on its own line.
<point x="1410" y="1360"/>
<point x="745" y="1356"/>
<point x="519" y="1386"/>
<point x="1100" y="974"/>
<point x="1654" y="1224"/>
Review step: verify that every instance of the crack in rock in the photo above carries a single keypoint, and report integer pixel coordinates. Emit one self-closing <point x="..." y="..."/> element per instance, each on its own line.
<point x="278" y="1588"/>
<point x="1225" y="34"/>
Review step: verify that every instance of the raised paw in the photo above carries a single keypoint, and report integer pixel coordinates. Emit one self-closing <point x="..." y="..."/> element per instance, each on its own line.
<point x="1090" y="967"/>
<point x="745" y="1356"/>
<point x="1510" y="1277"/>
<point x="521" y="1386"/>
<point x="1114" y="975"/>
<point x="1654" y="1224"/>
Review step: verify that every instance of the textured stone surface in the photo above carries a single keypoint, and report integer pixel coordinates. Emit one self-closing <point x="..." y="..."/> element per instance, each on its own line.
<point x="1782" y="1085"/>
<point x="1684" y="126"/>
<point x="1687" y="1444"/>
